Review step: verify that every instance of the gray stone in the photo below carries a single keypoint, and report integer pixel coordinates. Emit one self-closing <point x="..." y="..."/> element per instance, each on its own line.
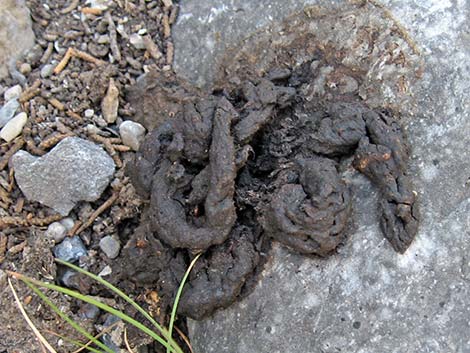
<point x="74" y="170"/>
<point x="14" y="127"/>
<point x="56" y="231"/>
<point x="110" y="246"/>
<point x="137" y="41"/>
<point x="16" y="33"/>
<point x="7" y="112"/>
<point x="67" y="222"/>
<point x="47" y="70"/>
<point x="365" y="298"/>
<point x="132" y="134"/>
<point x="12" y="93"/>
<point x="70" y="250"/>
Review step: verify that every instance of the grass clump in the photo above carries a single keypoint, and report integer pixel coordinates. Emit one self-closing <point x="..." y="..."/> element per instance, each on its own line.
<point x="157" y="332"/>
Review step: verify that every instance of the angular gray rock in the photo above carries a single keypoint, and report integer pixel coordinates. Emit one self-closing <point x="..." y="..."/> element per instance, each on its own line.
<point x="70" y="249"/>
<point x="7" y="112"/>
<point x="365" y="298"/>
<point x="74" y="170"/>
<point x="16" y="33"/>
<point x="132" y="134"/>
<point x="110" y="246"/>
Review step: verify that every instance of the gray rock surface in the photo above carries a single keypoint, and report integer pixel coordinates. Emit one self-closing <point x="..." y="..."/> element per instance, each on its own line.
<point x="74" y="170"/>
<point x="366" y="298"/>
<point x="110" y="246"/>
<point x="70" y="249"/>
<point x="16" y="33"/>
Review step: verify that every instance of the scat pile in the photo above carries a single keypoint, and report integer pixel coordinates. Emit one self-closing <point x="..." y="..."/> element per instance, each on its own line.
<point x="235" y="167"/>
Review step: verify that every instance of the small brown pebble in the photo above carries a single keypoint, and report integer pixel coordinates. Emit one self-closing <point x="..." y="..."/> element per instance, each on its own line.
<point x="110" y="103"/>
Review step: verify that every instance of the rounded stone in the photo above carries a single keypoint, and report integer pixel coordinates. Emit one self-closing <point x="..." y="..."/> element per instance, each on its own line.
<point x="110" y="246"/>
<point x="13" y="93"/>
<point x="14" y="127"/>
<point x="70" y="249"/>
<point x="56" y="231"/>
<point x="132" y="134"/>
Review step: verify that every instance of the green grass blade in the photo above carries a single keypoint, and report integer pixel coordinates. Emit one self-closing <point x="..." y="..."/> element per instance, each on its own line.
<point x="124" y="296"/>
<point x="102" y="306"/>
<point x="65" y="317"/>
<point x="78" y="343"/>
<point x="178" y="295"/>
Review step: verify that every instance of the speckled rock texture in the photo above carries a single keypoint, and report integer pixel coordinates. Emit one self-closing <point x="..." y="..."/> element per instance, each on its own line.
<point x="74" y="170"/>
<point x="366" y="298"/>
<point x="16" y="33"/>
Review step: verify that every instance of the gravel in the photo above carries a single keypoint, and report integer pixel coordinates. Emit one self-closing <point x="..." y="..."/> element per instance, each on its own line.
<point x="70" y="250"/>
<point x="13" y="93"/>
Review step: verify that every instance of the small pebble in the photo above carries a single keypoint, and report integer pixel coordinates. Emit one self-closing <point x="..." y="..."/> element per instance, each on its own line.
<point x="70" y="250"/>
<point x="8" y="111"/>
<point x="68" y="223"/>
<point x="110" y="103"/>
<point x="132" y="134"/>
<point x="89" y="113"/>
<point x="137" y="41"/>
<point x="25" y="68"/>
<point x="14" y="127"/>
<point x="47" y="70"/>
<point x="56" y="231"/>
<point x="13" y="93"/>
<point x="99" y="4"/>
<point x="110" y="246"/>
<point x="92" y="129"/>
<point x="106" y="271"/>
<point x="69" y="278"/>
<point x="88" y="311"/>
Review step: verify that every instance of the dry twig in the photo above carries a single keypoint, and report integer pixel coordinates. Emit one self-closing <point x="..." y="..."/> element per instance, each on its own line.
<point x="53" y="139"/>
<point x="73" y="5"/>
<point x="36" y="332"/>
<point x="98" y="211"/>
<point x="19" y="142"/>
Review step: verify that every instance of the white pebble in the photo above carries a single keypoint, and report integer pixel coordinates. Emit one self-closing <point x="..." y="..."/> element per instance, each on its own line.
<point x="89" y="113"/>
<point x="13" y="93"/>
<point x="132" y="134"/>
<point x="92" y="129"/>
<point x="14" y="127"/>
<point x="137" y="41"/>
<point x="110" y="246"/>
<point x="56" y="231"/>
<point x="68" y="223"/>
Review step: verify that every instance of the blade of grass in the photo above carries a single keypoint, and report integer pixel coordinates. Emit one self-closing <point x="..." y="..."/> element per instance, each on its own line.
<point x="185" y="339"/>
<point x="75" y="342"/>
<point x="124" y="296"/>
<point x="32" y="284"/>
<point x="36" y="332"/>
<point x="98" y="304"/>
<point x="178" y="295"/>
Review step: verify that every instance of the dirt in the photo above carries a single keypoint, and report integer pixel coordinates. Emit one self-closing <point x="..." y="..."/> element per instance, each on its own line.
<point x="56" y="107"/>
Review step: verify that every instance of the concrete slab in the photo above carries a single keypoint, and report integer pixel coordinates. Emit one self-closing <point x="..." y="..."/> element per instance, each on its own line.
<point x="366" y="298"/>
